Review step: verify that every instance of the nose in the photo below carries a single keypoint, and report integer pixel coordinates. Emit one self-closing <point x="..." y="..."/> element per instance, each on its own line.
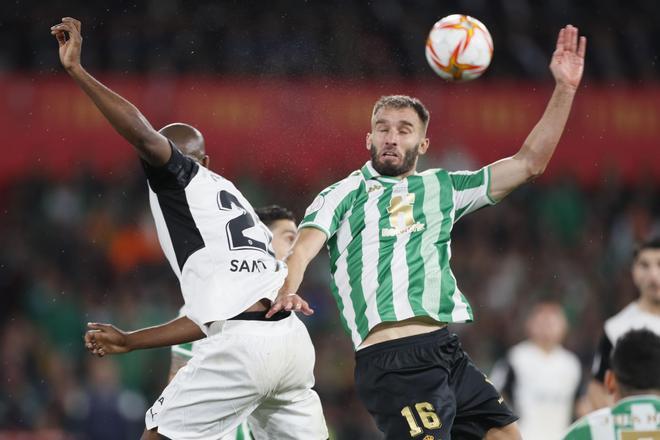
<point x="392" y="138"/>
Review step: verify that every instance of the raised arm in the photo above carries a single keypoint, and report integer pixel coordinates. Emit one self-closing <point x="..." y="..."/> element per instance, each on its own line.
<point x="102" y="339"/>
<point x="307" y="245"/>
<point x="566" y="66"/>
<point x="153" y="147"/>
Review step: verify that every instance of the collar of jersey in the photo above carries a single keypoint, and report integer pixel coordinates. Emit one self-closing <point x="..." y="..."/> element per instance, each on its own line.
<point x="637" y="397"/>
<point x="369" y="172"/>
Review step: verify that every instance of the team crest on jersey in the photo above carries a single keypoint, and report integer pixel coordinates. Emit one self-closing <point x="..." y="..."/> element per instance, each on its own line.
<point x="402" y="220"/>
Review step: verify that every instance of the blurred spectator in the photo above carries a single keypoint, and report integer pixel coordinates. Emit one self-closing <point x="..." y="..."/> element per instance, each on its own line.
<point x="642" y="313"/>
<point x="56" y="276"/>
<point x="337" y="38"/>
<point x="539" y="377"/>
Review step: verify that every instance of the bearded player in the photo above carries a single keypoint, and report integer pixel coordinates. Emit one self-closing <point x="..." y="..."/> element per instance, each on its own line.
<point x="388" y="230"/>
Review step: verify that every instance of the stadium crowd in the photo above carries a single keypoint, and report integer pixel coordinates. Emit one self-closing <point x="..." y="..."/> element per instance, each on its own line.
<point x="349" y="39"/>
<point x="85" y="249"/>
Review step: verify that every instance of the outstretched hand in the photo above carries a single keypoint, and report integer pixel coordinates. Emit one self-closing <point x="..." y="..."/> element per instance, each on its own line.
<point x="289" y="302"/>
<point x="567" y="63"/>
<point x="69" y="39"/>
<point x="102" y="339"/>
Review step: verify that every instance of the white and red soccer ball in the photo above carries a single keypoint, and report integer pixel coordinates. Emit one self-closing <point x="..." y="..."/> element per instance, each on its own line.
<point x="459" y="48"/>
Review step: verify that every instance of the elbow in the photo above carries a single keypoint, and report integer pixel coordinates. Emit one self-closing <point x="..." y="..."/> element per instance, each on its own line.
<point x="534" y="168"/>
<point x="535" y="171"/>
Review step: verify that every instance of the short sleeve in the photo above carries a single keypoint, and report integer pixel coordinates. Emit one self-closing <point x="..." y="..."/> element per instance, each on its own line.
<point x="580" y="430"/>
<point x="176" y="174"/>
<point x="602" y="358"/>
<point x="328" y="208"/>
<point x="503" y="378"/>
<point x="470" y="191"/>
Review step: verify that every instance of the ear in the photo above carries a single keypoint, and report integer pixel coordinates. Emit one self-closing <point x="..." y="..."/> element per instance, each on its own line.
<point x="205" y="161"/>
<point x="368" y="141"/>
<point x="424" y="145"/>
<point x="610" y="383"/>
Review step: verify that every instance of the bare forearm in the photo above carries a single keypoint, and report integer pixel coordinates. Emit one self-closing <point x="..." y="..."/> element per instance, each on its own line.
<point x="297" y="264"/>
<point x="122" y="115"/>
<point x="178" y="331"/>
<point x="542" y="141"/>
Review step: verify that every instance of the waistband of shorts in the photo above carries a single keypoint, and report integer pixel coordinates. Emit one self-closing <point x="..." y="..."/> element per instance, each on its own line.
<point x="285" y="323"/>
<point x="260" y="316"/>
<point x="434" y="337"/>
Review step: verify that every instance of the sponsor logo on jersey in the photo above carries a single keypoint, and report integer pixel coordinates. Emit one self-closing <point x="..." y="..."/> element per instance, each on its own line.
<point x="401" y="216"/>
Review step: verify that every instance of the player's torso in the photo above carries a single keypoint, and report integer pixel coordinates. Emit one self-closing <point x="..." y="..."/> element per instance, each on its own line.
<point x="390" y="254"/>
<point x="387" y="211"/>
<point x="210" y="214"/>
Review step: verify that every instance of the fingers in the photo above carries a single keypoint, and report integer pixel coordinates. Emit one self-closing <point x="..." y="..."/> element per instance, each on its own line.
<point x="572" y="39"/>
<point x="306" y="309"/>
<point x="97" y="326"/>
<point x="582" y="48"/>
<point x="561" y="39"/>
<point x="92" y="344"/>
<point x="290" y="302"/>
<point x="569" y="40"/>
<point x="73" y="21"/>
<point x="69" y="27"/>
<point x="274" y="308"/>
<point x="61" y="37"/>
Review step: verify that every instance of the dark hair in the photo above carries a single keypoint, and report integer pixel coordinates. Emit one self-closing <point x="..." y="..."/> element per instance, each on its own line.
<point x="651" y="243"/>
<point x="402" y="101"/>
<point x="635" y="357"/>
<point x="270" y="214"/>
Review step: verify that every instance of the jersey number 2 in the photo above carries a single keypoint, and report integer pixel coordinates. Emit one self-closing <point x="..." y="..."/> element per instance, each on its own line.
<point x="236" y="226"/>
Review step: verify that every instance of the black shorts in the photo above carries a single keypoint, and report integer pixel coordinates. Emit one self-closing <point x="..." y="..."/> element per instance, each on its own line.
<point x="426" y="387"/>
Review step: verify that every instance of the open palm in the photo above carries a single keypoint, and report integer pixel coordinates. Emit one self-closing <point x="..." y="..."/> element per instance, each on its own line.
<point x="567" y="63"/>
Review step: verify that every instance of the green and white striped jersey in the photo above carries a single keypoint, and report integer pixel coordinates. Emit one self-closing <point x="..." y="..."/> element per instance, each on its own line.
<point x="389" y="244"/>
<point x="632" y="418"/>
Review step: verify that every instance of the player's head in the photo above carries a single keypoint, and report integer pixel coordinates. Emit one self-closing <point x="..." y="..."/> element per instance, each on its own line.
<point x="546" y="325"/>
<point x="398" y="134"/>
<point x="646" y="271"/>
<point x="282" y="224"/>
<point x="635" y="365"/>
<point x="187" y="139"/>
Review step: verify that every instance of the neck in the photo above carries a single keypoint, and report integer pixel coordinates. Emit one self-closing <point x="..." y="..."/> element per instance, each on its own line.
<point x="649" y="306"/>
<point x="546" y="347"/>
<point x="404" y="175"/>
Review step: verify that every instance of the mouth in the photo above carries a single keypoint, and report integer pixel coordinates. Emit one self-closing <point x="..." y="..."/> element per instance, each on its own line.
<point x="389" y="154"/>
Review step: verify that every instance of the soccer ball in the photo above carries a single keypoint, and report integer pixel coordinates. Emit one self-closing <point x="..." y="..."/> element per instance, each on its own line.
<point x="459" y="48"/>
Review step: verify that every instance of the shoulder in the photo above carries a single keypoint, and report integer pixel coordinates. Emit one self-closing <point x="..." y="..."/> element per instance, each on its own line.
<point x="580" y="430"/>
<point x="624" y="405"/>
<point x="569" y="357"/>
<point x="339" y="190"/>
<point x="521" y="349"/>
<point x="620" y="323"/>
<point x="350" y="182"/>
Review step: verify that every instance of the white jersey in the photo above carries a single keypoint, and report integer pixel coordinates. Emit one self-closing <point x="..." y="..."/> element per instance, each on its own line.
<point x="632" y="317"/>
<point x="542" y="387"/>
<point x="213" y="239"/>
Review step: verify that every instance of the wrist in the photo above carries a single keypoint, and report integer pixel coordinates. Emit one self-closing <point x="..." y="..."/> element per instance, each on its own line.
<point x="565" y="88"/>
<point x="73" y="69"/>
<point x="131" y="340"/>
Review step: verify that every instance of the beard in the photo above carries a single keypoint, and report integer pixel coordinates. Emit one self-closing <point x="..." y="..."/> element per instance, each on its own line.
<point x="387" y="169"/>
